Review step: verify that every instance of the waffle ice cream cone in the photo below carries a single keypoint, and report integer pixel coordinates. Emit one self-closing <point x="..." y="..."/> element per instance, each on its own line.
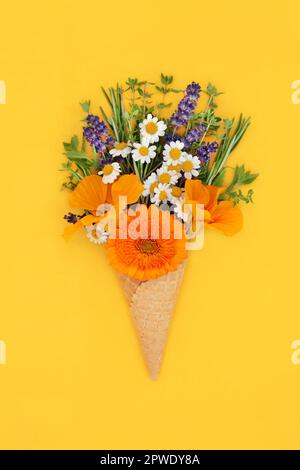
<point x="151" y="304"/>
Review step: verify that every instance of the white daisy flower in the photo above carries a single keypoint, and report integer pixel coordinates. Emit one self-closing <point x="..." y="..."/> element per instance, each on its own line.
<point x="110" y="172"/>
<point x="166" y="176"/>
<point x="150" y="184"/>
<point x="173" y="153"/>
<point x="190" y="166"/>
<point x="96" y="234"/>
<point x="142" y="152"/>
<point x="162" y="194"/>
<point x="121" y="149"/>
<point x="152" y="129"/>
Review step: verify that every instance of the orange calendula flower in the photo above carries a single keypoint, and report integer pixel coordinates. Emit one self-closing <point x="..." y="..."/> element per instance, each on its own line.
<point x="223" y="216"/>
<point x="148" y="257"/>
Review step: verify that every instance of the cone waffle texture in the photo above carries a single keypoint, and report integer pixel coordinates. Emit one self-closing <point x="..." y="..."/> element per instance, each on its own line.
<point x="152" y="303"/>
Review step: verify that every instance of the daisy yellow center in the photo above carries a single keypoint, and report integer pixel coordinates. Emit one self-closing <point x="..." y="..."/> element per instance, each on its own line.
<point x="176" y="191"/>
<point x="175" y="153"/>
<point x="163" y="195"/>
<point x="121" y="146"/>
<point x="144" y="151"/>
<point x="147" y="247"/>
<point x="187" y="165"/>
<point x="164" y="178"/>
<point x="153" y="186"/>
<point x="174" y="167"/>
<point x="107" y="170"/>
<point x="151" y="128"/>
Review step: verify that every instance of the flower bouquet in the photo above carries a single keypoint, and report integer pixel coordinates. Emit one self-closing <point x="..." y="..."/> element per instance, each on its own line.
<point x="146" y="186"/>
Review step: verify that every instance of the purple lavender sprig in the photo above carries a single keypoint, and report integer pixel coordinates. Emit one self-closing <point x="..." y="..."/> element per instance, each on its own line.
<point x="193" y="90"/>
<point x="194" y="135"/>
<point x="96" y="133"/>
<point x="72" y="218"/>
<point x="186" y="106"/>
<point x="206" y="150"/>
<point x="171" y="137"/>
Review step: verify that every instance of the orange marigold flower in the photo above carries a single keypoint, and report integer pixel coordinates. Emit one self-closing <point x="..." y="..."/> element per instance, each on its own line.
<point x="148" y="257"/>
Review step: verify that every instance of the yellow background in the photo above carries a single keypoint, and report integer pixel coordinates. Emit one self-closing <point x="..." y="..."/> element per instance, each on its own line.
<point x="75" y="376"/>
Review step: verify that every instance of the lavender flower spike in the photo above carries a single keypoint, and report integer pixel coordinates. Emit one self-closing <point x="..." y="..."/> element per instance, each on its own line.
<point x="193" y="90"/>
<point x="96" y="133"/>
<point x="206" y="150"/>
<point x="187" y="105"/>
<point x="194" y="135"/>
<point x="71" y="218"/>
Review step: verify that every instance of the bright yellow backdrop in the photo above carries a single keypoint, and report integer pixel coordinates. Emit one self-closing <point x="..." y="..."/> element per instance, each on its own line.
<point x="75" y="377"/>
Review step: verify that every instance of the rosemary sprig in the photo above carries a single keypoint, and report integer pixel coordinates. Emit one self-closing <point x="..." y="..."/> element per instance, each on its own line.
<point x="230" y="139"/>
<point x="118" y="121"/>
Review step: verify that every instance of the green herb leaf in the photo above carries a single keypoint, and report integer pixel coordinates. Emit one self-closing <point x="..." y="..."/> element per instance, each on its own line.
<point x="73" y="145"/>
<point x="79" y="158"/>
<point x="165" y="79"/>
<point x="86" y="106"/>
<point x="238" y="196"/>
<point x="241" y="176"/>
<point x="219" y="180"/>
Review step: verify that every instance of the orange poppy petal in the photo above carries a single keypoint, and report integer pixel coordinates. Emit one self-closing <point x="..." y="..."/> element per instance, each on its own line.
<point x="83" y="222"/>
<point x="227" y="218"/>
<point x="89" y="193"/>
<point x="108" y="194"/>
<point x="89" y="220"/>
<point x="207" y="216"/>
<point x="214" y="193"/>
<point x="196" y="191"/>
<point x="129" y="186"/>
